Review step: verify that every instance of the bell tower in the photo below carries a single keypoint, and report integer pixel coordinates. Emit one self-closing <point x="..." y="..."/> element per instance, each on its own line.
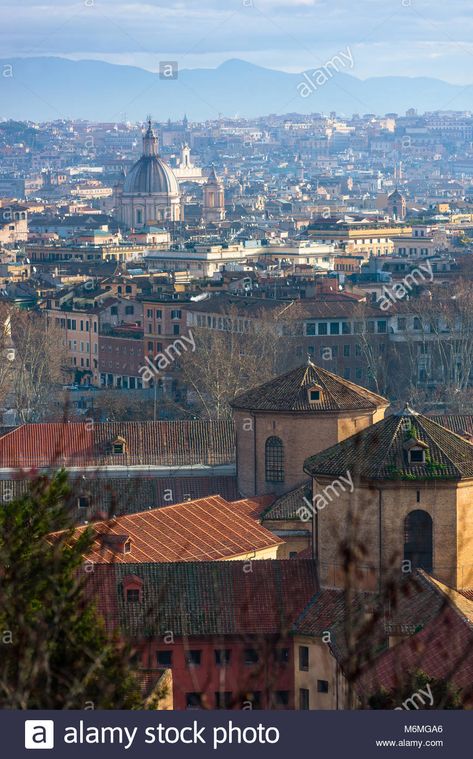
<point x="214" y="199"/>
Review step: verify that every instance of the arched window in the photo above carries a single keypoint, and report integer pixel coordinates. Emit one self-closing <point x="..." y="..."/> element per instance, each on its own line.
<point x="274" y="460"/>
<point x="418" y="540"/>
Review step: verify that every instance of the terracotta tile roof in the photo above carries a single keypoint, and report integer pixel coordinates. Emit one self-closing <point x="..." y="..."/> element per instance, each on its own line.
<point x="256" y="505"/>
<point x="208" y="529"/>
<point x="289" y="392"/>
<point x="379" y="452"/>
<point x="326" y="306"/>
<point x="4" y="430"/>
<point x="459" y="423"/>
<point x="443" y="649"/>
<point x="106" y="497"/>
<point x="414" y="604"/>
<point x="112" y="496"/>
<point x="285" y="507"/>
<point x="177" y="443"/>
<point x="206" y="598"/>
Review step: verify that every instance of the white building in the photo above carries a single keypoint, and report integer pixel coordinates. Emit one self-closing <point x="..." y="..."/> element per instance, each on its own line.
<point x="150" y="193"/>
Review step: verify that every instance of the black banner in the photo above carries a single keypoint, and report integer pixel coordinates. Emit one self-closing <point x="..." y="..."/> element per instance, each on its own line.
<point x="204" y="734"/>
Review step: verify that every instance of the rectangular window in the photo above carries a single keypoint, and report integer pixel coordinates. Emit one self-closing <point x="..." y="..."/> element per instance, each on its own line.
<point x="251" y="656"/>
<point x="222" y="657"/>
<point x="193" y="700"/>
<point x="132" y="596"/>
<point x="159" y="313"/>
<point x="129" y="310"/>
<point x="322" y="328"/>
<point x="401" y="323"/>
<point x="254" y="698"/>
<point x="346" y="328"/>
<point x="346" y="351"/>
<point x="164" y="658"/>
<point x="281" y="698"/>
<point x="282" y="655"/>
<point x="310" y="330"/>
<point x="176" y="329"/>
<point x="322" y="686"/>
<point x="176" y="314"/>
<point x="223" y="699"/>
<point x="382" y="326"/>
<point x="334" y="328"/>
<point x="304" y="699"/>
<point x="304" y="658"/>
<point x="193" y="658"/>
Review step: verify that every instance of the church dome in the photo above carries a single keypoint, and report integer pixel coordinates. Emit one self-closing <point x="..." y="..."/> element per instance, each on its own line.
<point x="150" y="175"/>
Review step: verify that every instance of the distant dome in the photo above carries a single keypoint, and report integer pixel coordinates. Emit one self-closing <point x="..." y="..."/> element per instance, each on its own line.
<point x="150" y="174"/>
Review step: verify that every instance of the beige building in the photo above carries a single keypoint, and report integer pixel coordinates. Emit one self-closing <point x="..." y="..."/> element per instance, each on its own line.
<point x="307" y="409"/>
<point x="150" y="193"/>
<point x="409" y="507"/>
<point x="214" y="199"/>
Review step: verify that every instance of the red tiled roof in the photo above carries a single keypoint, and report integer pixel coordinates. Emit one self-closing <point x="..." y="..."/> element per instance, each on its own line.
<point x="444" y="650"/>
<point x="256" y="505"/>
<point x="205" y="598"/>
<point x="178" y="443"/>
<point x="289" y="392"/>
<point x="208" y="529"/>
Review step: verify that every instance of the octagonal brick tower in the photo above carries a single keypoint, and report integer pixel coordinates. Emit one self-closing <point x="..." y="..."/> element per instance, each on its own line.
<point x="281" y="422"/>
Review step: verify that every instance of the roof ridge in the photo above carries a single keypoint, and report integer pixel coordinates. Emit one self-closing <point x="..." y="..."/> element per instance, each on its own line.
<point x="451" y="595"/>
<point x="393" y="438"/>
<point x="421" y="417"/>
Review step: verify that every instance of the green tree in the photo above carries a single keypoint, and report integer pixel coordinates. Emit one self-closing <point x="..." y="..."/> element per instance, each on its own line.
<point x="443" y="695"/>
<point x="55" y="652"/>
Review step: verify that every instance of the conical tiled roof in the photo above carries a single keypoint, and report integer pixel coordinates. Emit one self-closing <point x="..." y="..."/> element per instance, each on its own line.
<point x="381" y="452"/>
<point x="289" y="392"/>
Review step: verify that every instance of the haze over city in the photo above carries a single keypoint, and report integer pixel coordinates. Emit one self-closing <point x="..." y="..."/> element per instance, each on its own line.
<point x="236" y="361"/>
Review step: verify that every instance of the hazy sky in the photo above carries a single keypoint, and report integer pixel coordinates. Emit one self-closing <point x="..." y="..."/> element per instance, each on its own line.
<point x="408" y="37"/>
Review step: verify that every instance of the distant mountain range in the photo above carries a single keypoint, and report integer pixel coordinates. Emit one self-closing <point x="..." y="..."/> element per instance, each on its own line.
<point x="52" y="88"/>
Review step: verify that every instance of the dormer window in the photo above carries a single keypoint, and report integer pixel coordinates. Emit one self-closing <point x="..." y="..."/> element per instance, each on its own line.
<point x="417" y="456"/>
<point x="314" y="394"/>
<point x="119" y="446"/>
<point x="116" y="543"/>
<point x="416" y="451"/>
<point x="133" y="589"/>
